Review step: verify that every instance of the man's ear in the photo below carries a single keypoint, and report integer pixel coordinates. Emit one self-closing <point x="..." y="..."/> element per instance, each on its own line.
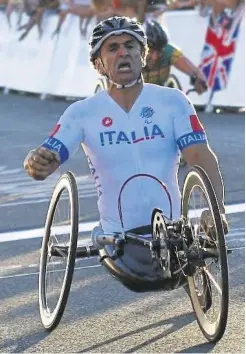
<point x="100" y="67"/>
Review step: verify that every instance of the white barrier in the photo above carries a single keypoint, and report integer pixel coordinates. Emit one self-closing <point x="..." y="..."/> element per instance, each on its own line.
<point x="60" y="66"/>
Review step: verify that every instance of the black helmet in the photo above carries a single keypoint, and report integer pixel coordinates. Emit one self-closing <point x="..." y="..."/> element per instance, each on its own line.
<point x="157" y="37"/>
<point x="115" y="26"/>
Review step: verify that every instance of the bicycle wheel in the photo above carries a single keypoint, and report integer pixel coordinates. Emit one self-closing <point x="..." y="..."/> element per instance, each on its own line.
<point x="198" y="191"/>
<point x="173" y="82"/>
<point x="58" y="252"/>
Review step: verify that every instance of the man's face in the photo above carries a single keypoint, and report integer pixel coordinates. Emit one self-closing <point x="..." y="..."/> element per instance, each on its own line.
<point x="121" y="57"/>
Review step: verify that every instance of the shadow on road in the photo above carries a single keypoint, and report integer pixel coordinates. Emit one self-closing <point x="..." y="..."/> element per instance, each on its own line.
<point x="201" y="348"/>
<point x="176" y="323"/>
<point x="18" y="345"/>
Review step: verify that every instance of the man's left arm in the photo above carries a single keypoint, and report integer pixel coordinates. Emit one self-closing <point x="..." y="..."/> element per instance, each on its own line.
<point x="202" y="155"/>
<point x="193" y="143"/>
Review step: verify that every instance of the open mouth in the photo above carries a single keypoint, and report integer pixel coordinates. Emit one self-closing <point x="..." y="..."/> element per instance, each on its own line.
<point x="124" y="67"/>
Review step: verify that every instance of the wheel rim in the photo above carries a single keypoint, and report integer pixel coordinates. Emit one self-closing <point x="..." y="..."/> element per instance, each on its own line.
<point x="53" y="273"/>
<point x="209" y="320"/>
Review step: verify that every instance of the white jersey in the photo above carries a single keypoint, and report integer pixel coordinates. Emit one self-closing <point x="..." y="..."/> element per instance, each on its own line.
<point x="120" y="144"/>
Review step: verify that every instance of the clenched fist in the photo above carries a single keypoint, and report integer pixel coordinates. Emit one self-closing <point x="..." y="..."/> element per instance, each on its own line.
<point x="41" y="162"/>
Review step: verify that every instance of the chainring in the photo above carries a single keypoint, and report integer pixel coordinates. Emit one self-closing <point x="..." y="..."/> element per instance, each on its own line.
<point x="161" y="252"/>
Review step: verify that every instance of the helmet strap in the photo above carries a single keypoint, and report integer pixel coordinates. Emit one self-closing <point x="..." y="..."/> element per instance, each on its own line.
<point x="134" y="82"/>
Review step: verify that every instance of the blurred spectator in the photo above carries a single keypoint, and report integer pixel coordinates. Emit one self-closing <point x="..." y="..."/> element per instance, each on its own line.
<point x="230" y="4"/>
<point x="182" y="4"/>
<point x="3" y="3"/>
<point x="220" y="7"/>
<point x="101" y="9"/>
<point x="130" y="8"/>
<point x="133" y="8"/>
<point x="83" y="9"/>
<point x="36" y="16"/>
<point x="63" y="9"/>
<point x="105" y="8"/>
<point x="17" y="6"/>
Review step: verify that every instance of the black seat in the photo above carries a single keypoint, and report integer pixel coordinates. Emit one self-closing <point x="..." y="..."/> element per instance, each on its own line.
<point x="137" y="270"/>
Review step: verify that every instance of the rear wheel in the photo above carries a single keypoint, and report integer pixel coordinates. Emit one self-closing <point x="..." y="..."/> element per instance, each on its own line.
<point x="58" y="252"/>
<point x="209" y="286"/>
<point x="173" y="82"/>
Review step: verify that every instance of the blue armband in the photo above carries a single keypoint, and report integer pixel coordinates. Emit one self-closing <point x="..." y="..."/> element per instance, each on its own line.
<point x="53" y="144"/>
<point x="190" y="139"/>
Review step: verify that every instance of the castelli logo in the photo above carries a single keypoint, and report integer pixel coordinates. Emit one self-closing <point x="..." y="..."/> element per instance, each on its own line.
<point x="107" y="121"/>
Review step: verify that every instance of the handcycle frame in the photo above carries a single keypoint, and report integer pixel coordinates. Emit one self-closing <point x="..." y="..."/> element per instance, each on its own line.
<point x="168" y="261"/>
<point x="101" y="239"/>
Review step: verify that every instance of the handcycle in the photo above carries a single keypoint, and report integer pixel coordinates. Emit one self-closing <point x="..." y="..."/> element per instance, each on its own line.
<point x="176" y="253"/>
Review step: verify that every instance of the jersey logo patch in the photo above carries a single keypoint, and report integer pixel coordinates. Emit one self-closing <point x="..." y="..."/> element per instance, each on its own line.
<point x="146" y="113"/>
<point x="196" y="124"/>
<point x="107" y="122"/>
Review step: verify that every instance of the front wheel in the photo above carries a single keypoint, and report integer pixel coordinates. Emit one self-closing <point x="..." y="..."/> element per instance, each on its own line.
<point x="58" y="252"/>
<point x="210" y="276"/>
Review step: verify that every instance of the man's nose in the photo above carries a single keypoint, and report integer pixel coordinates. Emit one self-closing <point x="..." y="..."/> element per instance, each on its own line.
<point x="122" y="50"/>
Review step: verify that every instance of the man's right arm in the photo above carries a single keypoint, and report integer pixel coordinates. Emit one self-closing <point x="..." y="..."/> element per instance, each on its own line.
<point x="58" y="147"/>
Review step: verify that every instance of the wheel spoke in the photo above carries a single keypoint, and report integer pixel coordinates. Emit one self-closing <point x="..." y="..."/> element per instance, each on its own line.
<point x="213" y="280"/>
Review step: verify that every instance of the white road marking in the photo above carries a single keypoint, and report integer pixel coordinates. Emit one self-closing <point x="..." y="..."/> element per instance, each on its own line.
<point x="229" y="209"/>
<point x="232" y="237"/>
<point x="37" y="233"/>
<point x="20" y="266"/>
<point x="37" y="273"/>
<point x="235" y="239"/>
<point x="83" y="227"/>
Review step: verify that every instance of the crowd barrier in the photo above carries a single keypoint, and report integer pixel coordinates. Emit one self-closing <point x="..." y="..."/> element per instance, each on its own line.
<point x="59" y="66"/>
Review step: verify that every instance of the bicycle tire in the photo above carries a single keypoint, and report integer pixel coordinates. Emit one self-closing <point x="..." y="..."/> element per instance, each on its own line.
<point x="213" y="332"/>
<point x="173" y="82"/>
<point x="51" y="320"/>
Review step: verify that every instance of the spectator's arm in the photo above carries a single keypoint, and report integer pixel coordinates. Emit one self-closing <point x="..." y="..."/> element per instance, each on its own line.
<point x="159" y="12"/>
<point x="231" y="4"/>
<point x="177" y="4"/>
<point x="141" y="9"/>
<point x="186" y="66"/>
<point x="53" y="4"/>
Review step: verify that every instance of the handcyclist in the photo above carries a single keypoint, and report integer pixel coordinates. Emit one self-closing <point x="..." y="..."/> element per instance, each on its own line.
<point x="163" y="55"/>
<point x="130" y="128"/>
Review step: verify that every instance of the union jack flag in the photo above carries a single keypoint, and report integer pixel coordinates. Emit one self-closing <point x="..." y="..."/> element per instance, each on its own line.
<point x="219" y="49"/>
